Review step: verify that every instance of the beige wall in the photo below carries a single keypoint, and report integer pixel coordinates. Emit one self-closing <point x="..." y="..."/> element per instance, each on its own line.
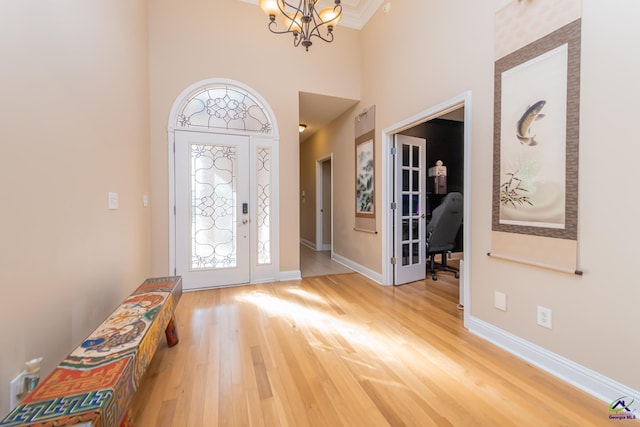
<point x="74" y="115"/>
<point x="193" y="40"/>
<point x="425" y="52"/>
<point x="337" y="139"/>
<point x="410" y="70"/>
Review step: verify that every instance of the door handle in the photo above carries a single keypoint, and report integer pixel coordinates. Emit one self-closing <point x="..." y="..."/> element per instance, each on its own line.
<point x="245" y="221"/>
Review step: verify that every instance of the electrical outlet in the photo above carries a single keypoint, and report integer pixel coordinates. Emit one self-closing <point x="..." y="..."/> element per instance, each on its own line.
<point x="545" y="317"/>
<point x="16" y="389"/>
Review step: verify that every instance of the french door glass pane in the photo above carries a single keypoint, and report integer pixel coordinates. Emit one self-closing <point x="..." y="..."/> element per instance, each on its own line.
<point x="405" y="155"/>
<point x="405" y="254"/>
<point x="415" y="230"/>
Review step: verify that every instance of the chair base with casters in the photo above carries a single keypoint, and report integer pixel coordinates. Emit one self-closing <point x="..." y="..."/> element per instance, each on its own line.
<point x="442" y="229"/>
<point x="434" y="266"/>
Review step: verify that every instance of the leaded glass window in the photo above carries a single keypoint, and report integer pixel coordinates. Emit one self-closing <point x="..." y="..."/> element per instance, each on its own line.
<point x="263" y="181"/>
<point x="213" y="206"/>
<point x="226" y="108"/>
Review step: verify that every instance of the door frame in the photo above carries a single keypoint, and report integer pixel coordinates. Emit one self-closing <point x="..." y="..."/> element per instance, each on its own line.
<point x="319" y="202"/>
<point x="258" y="274"/>
<point x="461" y="100"/>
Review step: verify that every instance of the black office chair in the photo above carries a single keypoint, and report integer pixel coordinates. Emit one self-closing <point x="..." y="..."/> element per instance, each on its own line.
<point x="442" y="229"/>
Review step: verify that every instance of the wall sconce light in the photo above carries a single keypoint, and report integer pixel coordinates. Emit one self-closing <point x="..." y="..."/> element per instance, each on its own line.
<point x="301" y="127"/>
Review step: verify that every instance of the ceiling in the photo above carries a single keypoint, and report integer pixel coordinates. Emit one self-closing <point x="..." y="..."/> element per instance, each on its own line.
<point x="317" y="111"/>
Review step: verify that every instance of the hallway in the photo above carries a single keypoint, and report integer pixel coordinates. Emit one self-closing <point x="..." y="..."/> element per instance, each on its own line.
<point x="319" y="263"/>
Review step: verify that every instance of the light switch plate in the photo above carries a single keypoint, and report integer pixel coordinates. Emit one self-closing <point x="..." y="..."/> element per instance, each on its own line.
<point x="113" y="200"/>
<point x="500" y="301"/>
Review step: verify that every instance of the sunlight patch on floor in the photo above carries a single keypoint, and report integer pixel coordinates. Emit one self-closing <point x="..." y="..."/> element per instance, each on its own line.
<point x="305" y="316"/>
<point x="307" y="295"/>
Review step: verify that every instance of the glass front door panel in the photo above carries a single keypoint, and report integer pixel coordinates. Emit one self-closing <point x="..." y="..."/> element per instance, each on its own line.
<point x="213" y="206"/>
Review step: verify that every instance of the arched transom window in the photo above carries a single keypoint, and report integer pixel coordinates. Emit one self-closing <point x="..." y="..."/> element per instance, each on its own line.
<point x="224" y="107"/>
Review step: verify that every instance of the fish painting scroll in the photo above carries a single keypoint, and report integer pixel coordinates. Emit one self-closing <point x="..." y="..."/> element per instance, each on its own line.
<point x="532" y="157"/>
<point x="536" y="134"/>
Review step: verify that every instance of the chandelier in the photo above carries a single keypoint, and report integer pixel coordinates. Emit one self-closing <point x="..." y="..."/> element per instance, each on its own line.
<point x="303" y="20"/>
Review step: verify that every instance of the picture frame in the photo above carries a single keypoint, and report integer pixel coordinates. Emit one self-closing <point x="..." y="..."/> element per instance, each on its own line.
<point x="365" y="176"/>
<point x="536" y="137"/>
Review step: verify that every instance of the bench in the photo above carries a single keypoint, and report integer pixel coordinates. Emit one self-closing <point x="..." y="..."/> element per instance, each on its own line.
<point x="94" y="385"/>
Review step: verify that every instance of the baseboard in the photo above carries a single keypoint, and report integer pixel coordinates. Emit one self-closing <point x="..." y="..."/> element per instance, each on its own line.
<point x="587" y="380"/>
<point x="325" y="247"/>
<point x="290" y="275"/>
<point x="308" y="244"/>
<point x="373" y="275"/>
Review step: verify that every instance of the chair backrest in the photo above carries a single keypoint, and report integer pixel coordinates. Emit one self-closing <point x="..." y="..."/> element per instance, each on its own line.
<point x="445" y="222"/>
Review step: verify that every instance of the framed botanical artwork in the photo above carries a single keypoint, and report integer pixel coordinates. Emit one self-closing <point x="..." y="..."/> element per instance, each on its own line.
<point x="365" y="176"/>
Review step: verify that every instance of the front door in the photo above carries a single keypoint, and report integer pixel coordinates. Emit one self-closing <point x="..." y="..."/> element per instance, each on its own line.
<point x="409" y="214"/>
<point x="212" y="211"/>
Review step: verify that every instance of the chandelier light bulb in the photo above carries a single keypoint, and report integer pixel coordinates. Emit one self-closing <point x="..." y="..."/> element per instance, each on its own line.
<point x="330" y="16"/>
<point x="300" y="18"/>
<point x="270" y="7"/>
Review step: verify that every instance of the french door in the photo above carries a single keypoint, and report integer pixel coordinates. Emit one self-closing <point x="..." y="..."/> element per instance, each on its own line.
<point x="213" y="209"/>
<point x="410" y="209"/>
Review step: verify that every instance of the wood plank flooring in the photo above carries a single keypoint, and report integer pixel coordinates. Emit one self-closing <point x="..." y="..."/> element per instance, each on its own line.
<point x="341" y="350"/>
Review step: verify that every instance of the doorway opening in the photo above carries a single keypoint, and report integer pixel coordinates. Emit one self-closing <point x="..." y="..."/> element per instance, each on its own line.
<point x="317" y="259"/>
<point x="454" y="116"/>
<point x="324" y="204"/>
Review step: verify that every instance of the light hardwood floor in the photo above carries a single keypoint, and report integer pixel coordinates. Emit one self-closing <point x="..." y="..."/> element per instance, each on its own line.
<point x="343" y="351"/>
